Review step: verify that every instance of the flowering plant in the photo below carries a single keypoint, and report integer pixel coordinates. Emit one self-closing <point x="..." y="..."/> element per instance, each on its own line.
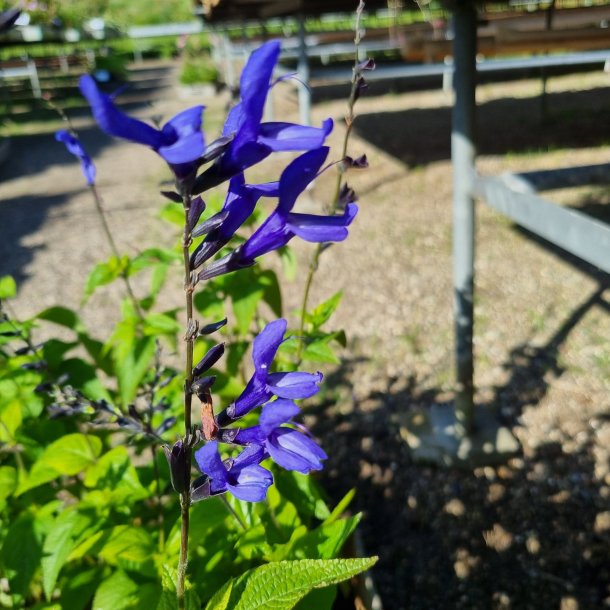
<point x="241" y="449"/>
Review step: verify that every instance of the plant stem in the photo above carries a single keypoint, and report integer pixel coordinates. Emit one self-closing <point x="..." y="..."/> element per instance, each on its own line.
<point x="153" y="450"/>
<point x="185" y="502"/>
<point x="234" y="513"/>
<point x="349" y="124"/>
<point x="185" y="496"/>
<point x="102" y="214"/>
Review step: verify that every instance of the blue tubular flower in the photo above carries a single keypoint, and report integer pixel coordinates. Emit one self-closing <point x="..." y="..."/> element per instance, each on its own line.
<point x="290" y="448"/>
<point x="76" y="148"/>
<point x="242" y="476"/>
<point x="283" y="224"/>
<point x="238" y="206"/>
<point x="263" y="385"/>
<point x="180" y="142"/>
<point x="253" y="140"/>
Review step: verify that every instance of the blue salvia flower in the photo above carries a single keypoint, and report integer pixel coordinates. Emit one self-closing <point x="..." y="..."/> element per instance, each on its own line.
<point x="219" y="229"/>
<point x="180" y="141"/>
<point x="263" y="384"/>
<point x="242" y="476"/>
<point x="253" y="140"/>
<point x="74" y="146"/>
<point x="289" y="447"/>
<point x="283" y="224"/>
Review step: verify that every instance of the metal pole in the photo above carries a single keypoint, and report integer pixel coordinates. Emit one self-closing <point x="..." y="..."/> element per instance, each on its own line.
<point x="303" y="72"/>
<point x="462" y="158"/>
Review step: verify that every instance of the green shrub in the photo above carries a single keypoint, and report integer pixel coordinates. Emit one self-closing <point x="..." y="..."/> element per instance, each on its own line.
<point x="198" y="70"/>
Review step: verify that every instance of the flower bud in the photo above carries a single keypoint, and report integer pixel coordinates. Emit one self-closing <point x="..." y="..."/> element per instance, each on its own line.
<point x="176" y="458"/>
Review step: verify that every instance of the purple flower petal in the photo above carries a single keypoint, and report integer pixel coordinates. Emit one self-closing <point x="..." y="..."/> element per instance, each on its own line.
<point x="113" y="121"/>
<point x="290" y="137"/>
<point x="271" y="235"/>
<point x="251" y="484"/>
<point x="255" y="394"/>
<point x="266" y="345"/>
<point x="252" y="455"/>
<point x="266" y="189"/>
<point x="247" y="436"/>
<point x="298" y="175"/>
<point x="234" y="120"/>
<point x="294" y="385"/>
<point x="322" y="228"/>
<point x="209" y="462"/>
<point x="293" y="450"/>
<point x="183" y="140"/>
<point x="76" y="148"/>
<point x="254" y="86"/>
<point x="276" y="413"/>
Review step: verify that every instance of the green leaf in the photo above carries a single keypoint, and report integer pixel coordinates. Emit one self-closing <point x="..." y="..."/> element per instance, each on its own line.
<point x="318" y="599"/>
<point x="272" y="293"/>
<point x="321" y="351"/>
<point x="173" y="213"/>
<point x="57" y="546"/>
<point x="157" y="279"/>
<point x="54" y="351"/>
<point x="132" y="361"/>
<point x="303" y="492"/>
<point x="21" y="553"/>
<point x="68" y="455"/>
<point x="72" y="453"/>
<point x="105" y="273"/>
<point x="83" y="376"/>
<point x="115" y="474"/>
<point x="79" y="587"/>
<point x="161" y="323"/>
<point x="10" y="418"/>
<point x="152" y="257"/>
<point x="117" y="592"/>
<point x="8" y="482"/>
<point x="322" y="312"/>
<point x="280" y="585"/>
<point x="342" y="506"/>
<point x="289" y="262"/>
<point x="61" y="316"/>
<point x="246" y="293"/>
<point x="127" y="545"/>
<point x="8" y="287"/>
<point x="325" y="542"/>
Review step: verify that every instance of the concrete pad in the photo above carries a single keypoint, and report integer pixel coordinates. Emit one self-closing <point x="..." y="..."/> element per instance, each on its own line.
<point x="433" y="436"/>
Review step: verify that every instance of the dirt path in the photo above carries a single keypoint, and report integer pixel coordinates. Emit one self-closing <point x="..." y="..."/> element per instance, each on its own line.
<point x="534" y="534"/>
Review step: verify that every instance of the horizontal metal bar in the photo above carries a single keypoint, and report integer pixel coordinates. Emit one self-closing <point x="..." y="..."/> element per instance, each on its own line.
<point x="577" y="233"/>
<point x="564" y="177"/>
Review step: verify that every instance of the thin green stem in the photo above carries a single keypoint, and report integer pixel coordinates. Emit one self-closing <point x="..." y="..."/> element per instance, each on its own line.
<point x="234" y="513"/>
<point x="101" y="213"/>
<point x="99" y="206"/>
<point x="185" y="496"/>
<point x="159" y="499"/>
<point x="185" y="502"/>
<point x="349" y="124"/>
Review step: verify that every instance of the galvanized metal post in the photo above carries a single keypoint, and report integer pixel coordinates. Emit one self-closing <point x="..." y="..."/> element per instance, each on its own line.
<point x="303" y="72"/>
<point x="463" y="157"/>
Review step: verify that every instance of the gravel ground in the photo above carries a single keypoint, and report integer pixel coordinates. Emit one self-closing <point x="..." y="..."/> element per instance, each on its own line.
<point x="532" y="534"/>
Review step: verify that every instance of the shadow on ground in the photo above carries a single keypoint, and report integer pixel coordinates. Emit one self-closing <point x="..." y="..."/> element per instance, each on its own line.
<point x="531" y="534"/>
<point x="34" y="154"/>
<point x="20" y="217"/>
<point x="504" y="126"/>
